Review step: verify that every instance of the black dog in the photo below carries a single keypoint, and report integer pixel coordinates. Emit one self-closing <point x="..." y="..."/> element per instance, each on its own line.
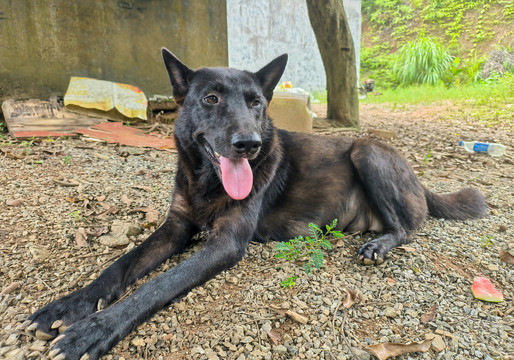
<point x="242" y="179"/>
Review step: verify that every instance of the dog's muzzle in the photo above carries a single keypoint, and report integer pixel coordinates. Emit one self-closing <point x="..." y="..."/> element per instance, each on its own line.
<point x="247" y="145"/>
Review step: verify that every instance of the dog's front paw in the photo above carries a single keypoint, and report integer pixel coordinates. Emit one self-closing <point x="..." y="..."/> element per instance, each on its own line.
<point x="57" y="316"/>
<point x="371" y="253"/>
<point x="89" y="338"/>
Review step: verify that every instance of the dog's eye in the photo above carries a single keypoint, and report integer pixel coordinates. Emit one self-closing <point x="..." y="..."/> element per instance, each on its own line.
<point x="211" y="99"/>
<point x="256" y="103"/>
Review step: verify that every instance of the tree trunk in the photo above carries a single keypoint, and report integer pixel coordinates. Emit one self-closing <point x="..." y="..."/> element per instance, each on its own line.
<point x="328" y="20"/>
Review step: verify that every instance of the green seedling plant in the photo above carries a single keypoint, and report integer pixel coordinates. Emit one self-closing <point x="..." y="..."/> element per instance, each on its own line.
<point x="2" y="130"/>
<point x="289" y="282"/>
<point x="27" y="144"/>
<point x="486" y="241"/>
<point x="428" y="156"/>
<point x="426" y="159"/>
<point x="309" y="248"/>
<point x="76" y="215"/>
<point x="67" y="159"/>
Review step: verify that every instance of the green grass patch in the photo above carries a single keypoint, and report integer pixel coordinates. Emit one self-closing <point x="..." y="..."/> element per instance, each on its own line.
<point x="319" y="96"/>
<point x="486" y="103"/>
<point x="499" y="92"/>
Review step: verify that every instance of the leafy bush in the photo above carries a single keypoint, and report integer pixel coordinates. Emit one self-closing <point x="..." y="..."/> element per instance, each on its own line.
<point x="422" y="61"/>
<point x="473" y="68"/>
<point x="376" y="64"/>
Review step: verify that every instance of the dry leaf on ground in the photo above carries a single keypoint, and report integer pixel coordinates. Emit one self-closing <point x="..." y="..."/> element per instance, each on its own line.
<point x="81" y="237"/>
<point x="126" y="200"/>
<point x="10" y="288"/>
<point x="429" y="315"/>
<point x="275" y="338"/>
<point x="15" y="202"/>
<point x="506" y="256"/>
<point x="350" y="299"/>
<point x="386" y="350"/>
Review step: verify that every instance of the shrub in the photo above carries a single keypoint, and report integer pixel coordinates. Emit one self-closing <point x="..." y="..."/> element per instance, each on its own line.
<point x="376" y="63"/>
<point x="422" y="61"/>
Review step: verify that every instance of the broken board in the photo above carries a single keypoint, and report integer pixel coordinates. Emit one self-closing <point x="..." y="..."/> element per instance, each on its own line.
<point x="116" y="132"/>
<point x="37" y="118"/>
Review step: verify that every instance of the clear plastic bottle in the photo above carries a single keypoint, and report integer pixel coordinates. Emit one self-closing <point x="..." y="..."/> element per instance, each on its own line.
<point x="491" y="149"/>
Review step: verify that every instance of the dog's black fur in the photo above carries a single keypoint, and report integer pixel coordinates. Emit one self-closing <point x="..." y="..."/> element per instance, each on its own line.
<point x="297" y="179"/>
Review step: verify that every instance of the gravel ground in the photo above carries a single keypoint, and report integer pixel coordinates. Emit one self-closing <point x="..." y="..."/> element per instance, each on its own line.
<point x="59" y="198"/>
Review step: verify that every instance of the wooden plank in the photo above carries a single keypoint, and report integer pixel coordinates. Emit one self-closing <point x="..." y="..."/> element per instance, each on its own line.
<point x="116" y="132"/>
<point x="381" y="133"/>
<point x="33" y="116"/>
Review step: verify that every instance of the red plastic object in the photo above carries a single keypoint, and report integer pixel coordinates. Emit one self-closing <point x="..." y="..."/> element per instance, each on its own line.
<point x="483" y="289"/>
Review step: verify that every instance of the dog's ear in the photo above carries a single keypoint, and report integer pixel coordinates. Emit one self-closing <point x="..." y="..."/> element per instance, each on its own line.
<point x="270" y="74"/>
<point x="179" y="75"/>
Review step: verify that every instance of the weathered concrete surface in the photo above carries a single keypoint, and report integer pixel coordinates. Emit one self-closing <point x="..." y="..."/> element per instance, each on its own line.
<point x="258" y="31"/>
<point x="45" y="42"/>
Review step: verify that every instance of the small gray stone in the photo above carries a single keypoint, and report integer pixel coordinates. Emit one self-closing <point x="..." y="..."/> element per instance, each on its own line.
<point x="247" y="340"/>
<point x="114" y="241"/>
<point x="211" y="355"/>
<point x="391" y="312"/>
<point x="361" y="354"/>
<point x="281" y="349"/>
<point x="133" y="231"/>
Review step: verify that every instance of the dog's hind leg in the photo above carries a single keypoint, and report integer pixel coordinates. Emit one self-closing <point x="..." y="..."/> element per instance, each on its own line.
<point x="394" y="194"/>
<point x="168" y="240"/>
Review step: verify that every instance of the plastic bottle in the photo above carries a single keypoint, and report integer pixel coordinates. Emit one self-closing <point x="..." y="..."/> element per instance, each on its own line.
<point x="475" y="146"/>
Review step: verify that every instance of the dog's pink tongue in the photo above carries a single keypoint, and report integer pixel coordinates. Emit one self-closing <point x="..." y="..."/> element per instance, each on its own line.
<point x="237" y="177"/>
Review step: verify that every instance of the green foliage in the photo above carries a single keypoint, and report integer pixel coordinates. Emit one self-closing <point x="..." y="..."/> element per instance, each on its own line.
<point x="393" y="14"/>
<point x="480" y="93"/>
<point x="77" y="215"/>
<point x="308" y="248"/>
<point x="508" y="10"/>
<point x="376" y="63"/>
<point x="319" y="97"/>
<point x="289" y="282"/>
<point x="486" y="241"/>
<point x="467" y="28"/>
<point x="473" y="68"/>
<point x="422" y="61"/>
<point x="27" y="144"/>
<point x="428" y="156"/>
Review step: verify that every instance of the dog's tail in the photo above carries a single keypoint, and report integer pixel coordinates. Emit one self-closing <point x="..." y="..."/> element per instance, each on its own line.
<point x="467" y="203"/>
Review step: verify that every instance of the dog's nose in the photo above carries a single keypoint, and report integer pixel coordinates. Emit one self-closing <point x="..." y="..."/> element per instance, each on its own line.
<point x="246" y="144"/>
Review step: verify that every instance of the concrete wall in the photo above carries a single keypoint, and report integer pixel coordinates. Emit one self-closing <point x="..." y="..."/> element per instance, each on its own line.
<point x="258" y="31"/>
<point x="44" y="42"/>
